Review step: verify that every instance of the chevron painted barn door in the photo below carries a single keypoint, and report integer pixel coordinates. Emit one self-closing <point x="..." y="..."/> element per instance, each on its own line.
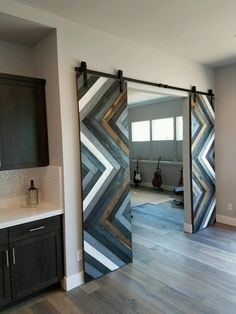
<point x="203" y="161"/>
<point x="105" y="175"/>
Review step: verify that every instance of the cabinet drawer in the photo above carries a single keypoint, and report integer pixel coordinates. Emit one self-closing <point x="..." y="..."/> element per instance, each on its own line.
<point x="34" y="228"/>
<point x="3" y="236"/>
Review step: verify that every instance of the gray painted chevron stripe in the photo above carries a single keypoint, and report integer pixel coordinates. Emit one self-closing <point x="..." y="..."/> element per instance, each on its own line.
<point x="101" y="248"/>
<point x="120" y="213"/>
<point x="95" y="141"/>
<point x="93" y="149"/>
<point x="121" y="123"/>
<point x="91" y="171"/>
<point x="90" y="98"/>
<point x="92" y="271"/>
<point x="204" y="157"/>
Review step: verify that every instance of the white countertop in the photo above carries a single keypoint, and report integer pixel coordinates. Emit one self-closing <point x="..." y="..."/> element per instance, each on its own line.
<point x="13" y="216"/>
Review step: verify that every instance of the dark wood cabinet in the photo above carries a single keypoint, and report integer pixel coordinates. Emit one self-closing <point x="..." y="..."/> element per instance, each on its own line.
<point x="36" y="264"/>
<point x="23" y="123"/>
<point x="32" y="260"/>
<point x="5" y="287"/>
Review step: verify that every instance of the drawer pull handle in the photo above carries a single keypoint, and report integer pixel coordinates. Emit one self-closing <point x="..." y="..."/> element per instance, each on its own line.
<point x="13" y="256"/>
<point x="7" y="258"/>
<point x="36" y="229"/>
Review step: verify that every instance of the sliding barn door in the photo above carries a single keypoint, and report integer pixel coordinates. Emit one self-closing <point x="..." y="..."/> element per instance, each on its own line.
<point x="203" y="161"/>
<point x="105" y="175"/>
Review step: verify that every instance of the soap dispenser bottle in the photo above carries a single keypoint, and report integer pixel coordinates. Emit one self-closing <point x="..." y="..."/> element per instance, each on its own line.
<point x="32" y="195"/>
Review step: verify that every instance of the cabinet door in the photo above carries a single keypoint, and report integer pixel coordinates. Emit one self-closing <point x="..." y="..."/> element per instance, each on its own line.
<point x="23" y="126"/>
<point x="5" y="289"/>
<point x="35" y="264"/>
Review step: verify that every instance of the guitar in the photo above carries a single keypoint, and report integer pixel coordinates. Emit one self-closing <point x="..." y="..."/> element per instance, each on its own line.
<point x="137" y="175"/>
<point x="157" y="180"/>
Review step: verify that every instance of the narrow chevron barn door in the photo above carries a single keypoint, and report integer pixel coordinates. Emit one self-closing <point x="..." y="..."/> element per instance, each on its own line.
<point x="203" y="161"/>
<point x="105" y="175"/>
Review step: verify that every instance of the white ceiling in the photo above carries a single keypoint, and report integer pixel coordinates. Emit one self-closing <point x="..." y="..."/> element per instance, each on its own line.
<point x="20" y="31"/>
<point x="201" y="30"/>
<point x="136" y="96"/>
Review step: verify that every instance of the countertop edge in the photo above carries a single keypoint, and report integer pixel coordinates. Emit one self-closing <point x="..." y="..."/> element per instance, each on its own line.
<point x="19" y="221"/>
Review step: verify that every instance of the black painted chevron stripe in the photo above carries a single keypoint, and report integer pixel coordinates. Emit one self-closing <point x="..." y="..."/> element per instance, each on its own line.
<point x="203" y="163"/>
<point x="105" y="175"/>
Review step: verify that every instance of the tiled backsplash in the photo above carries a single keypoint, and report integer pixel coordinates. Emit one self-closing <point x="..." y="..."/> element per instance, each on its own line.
<point x="14" y="185"/>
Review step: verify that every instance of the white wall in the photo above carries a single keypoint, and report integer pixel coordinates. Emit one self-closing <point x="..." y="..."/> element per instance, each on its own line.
<point x="46" y="67"/>
<point x="145" y="152"/>
<point x="170" y="173"/>
<point x="225" y="140"/>
<point x="16" y="59"/>
<point x="106" y="53"/>
<point x="169" y="150"/>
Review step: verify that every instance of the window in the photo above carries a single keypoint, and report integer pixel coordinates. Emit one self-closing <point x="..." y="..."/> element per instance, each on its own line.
<point x="163" y="129"/>
<point x="179" y="128"/>
<point x="140" y="131"/>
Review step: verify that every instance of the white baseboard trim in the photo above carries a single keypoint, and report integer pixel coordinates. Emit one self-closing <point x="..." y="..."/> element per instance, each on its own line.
<point x="188" y="228"/>
<point x="226" y="220"/>
<point x="71" y="282"/>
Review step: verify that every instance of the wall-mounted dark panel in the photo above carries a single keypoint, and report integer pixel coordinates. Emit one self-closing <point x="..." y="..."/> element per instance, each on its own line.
<point x="23" y="123"/>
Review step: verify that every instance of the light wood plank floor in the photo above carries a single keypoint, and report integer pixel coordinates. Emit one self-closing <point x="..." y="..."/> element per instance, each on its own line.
<point x="172" y="272"/>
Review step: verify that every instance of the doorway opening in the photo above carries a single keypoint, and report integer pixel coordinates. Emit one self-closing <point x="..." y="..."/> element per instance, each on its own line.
<point x="156" y="133"/>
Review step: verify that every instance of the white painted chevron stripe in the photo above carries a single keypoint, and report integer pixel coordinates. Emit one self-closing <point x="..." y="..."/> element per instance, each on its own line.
<point x="209" y="107"/>
<point x="99" y="256"/>
<point x="91" y="92"/>
<point x="205" y="151"/>
<point x="105" y="174"/>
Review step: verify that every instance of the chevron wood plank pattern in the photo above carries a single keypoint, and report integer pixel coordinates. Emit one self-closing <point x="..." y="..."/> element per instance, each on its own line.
<point x="105" y="175"/>
<point x="203" y="162"/>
